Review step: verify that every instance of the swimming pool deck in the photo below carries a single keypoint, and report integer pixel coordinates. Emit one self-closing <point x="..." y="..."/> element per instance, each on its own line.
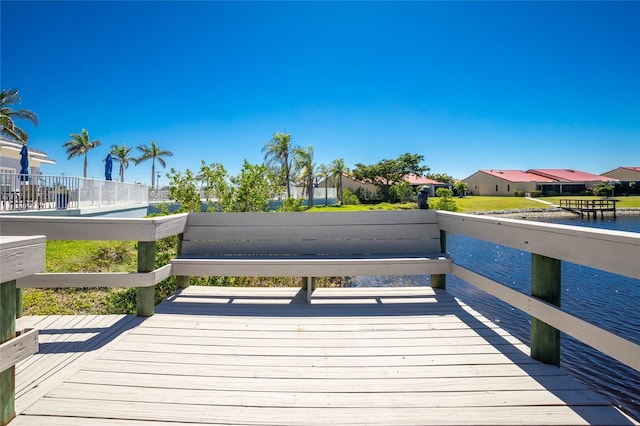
<point x="260" y="356"/>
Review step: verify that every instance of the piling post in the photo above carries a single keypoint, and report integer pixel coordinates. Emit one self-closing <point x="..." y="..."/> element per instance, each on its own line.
<point x="146" y="296"/>
<point x="545" y="285"/>
<point x="181" y="281"/>
<point x="440" y="280"/>
<point x="7" y="332"/>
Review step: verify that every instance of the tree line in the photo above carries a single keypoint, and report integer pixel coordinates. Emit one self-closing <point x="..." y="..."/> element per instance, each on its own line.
<point x="80" y="143"/>
<point x="284" y="164"/>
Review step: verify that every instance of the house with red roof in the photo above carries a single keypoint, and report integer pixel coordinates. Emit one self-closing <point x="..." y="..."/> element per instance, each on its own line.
<point x="547" y="181"/>
<point x="419" y="181"/>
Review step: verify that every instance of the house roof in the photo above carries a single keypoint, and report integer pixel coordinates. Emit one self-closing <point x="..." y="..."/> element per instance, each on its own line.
<point x="632" y="168"/>
<point x="569" y="175"/>
<point x="420" y="180"/>
<point x="517" y="176"/>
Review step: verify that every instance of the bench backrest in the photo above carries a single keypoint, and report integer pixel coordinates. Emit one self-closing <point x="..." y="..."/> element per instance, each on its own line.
<point x="297" y="234"/>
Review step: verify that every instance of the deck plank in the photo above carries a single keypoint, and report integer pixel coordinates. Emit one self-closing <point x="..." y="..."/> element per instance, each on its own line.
<point x="397" y="356"/>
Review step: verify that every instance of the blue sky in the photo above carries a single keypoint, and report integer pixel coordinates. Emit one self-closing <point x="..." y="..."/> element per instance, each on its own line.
<point x="479" y="85"/>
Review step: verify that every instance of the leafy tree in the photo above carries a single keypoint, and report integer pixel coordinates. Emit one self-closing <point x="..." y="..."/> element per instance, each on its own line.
<point x="306" y="168"/>
<point x="603" y="189"/>
<point x="121" y="154"/>
<point x="253" y="188"/>
<point x="461" y="188"/>
<point x="278" y="154"/>
<point x="386" y="173"/>
<point x="80" y="145"/>
<point x="153" y="152"/>
<point x="337" y="169"/>
<point x="402" y="192"/>
<point x="215" y="184"/>
<point x="8" y="128"/>
<point x="445" y="200"/>
<point x="441" y="177"/>
<point x="183" y="190"/>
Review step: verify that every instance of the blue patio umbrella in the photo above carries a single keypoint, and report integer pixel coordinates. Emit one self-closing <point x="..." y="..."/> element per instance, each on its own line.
<point x="24" y="164"/>
<point x="108" y="167"/>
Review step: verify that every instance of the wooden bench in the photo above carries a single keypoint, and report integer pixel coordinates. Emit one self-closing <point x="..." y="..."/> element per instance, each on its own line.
<point x="311" y="245"/>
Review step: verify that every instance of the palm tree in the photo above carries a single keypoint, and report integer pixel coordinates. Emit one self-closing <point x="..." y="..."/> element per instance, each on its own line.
<point x="8" y="128"/>
<point x="121" y="154"/>
<point x="304" y="163"/>
<point x="80" y="145"/>
<point x="337" y="169"/>
<point x="153" y="152"/>
<point x="278" y="153"/>
<point x="323" y="172"/>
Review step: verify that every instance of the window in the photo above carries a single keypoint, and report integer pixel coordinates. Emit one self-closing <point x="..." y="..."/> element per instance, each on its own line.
<point x="496" y="188"/>
<point x="508" y="188"/>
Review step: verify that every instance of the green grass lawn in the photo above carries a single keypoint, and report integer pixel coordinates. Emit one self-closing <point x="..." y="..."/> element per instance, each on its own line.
<point x="467" y="204"/>
<point x="479" y="204"/>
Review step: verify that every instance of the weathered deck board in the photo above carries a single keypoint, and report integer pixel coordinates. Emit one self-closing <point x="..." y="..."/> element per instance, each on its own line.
<point x="397" y="357"/>
<point x="66" y="343"/>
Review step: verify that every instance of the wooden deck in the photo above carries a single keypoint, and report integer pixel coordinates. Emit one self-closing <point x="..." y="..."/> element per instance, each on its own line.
<point x="387" y="356"/>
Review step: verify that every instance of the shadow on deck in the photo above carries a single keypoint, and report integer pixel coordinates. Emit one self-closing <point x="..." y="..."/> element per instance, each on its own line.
<point x="387" y="356"/>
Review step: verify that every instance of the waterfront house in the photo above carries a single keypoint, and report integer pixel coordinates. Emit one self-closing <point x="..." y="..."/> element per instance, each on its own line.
<point x="547" y="181"/>
<point x="629" y="178"/>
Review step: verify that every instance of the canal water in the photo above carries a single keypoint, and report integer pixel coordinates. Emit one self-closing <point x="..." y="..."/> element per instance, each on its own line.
<point x="607" y="300"/>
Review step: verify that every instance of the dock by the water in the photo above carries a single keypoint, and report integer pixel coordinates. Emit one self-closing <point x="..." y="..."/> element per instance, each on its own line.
<point x="590" y="207"/>
<point x="252" y="356"/>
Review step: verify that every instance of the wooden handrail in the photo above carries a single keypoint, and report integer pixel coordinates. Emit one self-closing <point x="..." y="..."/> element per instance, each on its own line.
<point x="611" y="251"/>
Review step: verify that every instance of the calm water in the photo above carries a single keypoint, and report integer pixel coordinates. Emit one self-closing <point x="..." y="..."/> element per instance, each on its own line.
<point x="607" y="300"/>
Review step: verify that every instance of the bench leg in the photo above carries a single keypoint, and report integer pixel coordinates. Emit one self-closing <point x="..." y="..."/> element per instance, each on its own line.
<point x="439" y="281"/>
<point x="309" y="289"/>
<point x="182" y="281"/>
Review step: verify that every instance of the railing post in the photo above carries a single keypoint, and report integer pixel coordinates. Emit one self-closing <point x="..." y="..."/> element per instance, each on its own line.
<point x="546" y="284"/>
<point x="18" y="302"/>
<point x="7" y="332"/>
<point x="181" y="281"/>
<point x="440" y="280"/>
<point x="146" y="296"/>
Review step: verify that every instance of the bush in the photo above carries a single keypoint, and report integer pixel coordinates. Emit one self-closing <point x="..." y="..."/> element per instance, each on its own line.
<point x="518" y="193"/>
<point x="402" y="192"/>
<point x="349" y="198"/>
<point x="535" y="193"/>
<point x="445" y="200"/>
<point x="292" y="205"/>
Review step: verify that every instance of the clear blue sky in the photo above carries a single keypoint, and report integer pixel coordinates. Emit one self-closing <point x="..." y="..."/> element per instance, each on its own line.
<point x="509" y="85"/>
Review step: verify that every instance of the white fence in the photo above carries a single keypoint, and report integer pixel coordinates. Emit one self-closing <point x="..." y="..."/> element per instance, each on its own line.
<point x="44" y="192"/>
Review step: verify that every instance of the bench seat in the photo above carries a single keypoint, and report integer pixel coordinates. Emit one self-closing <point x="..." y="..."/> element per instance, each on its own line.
<point x="311" y="245"/>
<point x="311" y="266"/>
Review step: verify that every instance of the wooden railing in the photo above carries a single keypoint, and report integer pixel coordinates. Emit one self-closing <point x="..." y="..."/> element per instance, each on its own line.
<point x="589" y="206"/>
<point x="549" y="245"/>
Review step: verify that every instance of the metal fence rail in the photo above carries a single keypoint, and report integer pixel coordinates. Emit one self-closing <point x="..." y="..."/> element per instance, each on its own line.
<point x="43" y="192"/>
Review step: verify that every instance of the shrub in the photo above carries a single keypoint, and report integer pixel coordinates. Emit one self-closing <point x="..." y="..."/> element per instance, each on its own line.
<point x="292" y="205"/>
<point x="349" y="198"/>
<point x="402" y="192"/>
<point x="445" y="200"/>
<point x="518" y="193"/>
<point x="535" y="193"/>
